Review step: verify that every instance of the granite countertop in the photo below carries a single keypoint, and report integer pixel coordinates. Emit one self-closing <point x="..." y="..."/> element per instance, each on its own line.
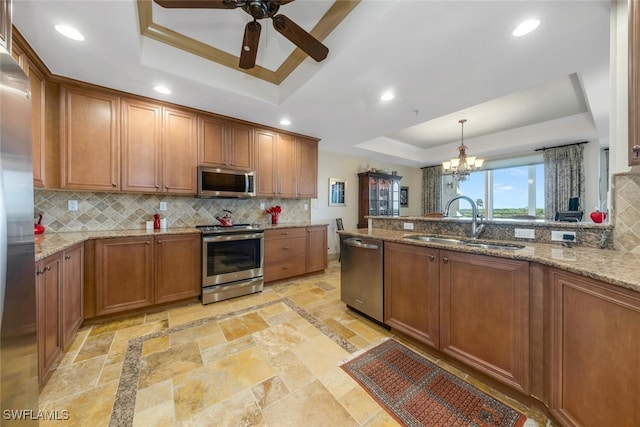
<point x="49" y="243"/>
<point x="613" y="267"/>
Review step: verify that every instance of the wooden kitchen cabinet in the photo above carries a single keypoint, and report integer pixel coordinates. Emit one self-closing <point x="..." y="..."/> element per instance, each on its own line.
<point x="286" y="166"/>
<point x="141" y="146"/>
<point x="412" y="291"/>
<point x="634" y="86"/>
<point x="48" y="279"/>
<point x="90" y="139"/>
<point x="285" y="253"/>
<point x="71" y="293"/>
<point x="316" y="248"/>
<point x="179" y="151"/>
<point x="306" y="168"/>
<point x="222" y="143"/>
<point x="266" y="165"/>
<point x="484" y="315"/>
<point x="595" y="374"/>
<point x="124" y="274"/>
<point x="177" y="268"/>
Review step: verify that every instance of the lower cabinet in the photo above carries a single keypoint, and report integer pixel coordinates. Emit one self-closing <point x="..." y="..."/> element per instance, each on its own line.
<point x="290" y="252"/>
<point x="474" y="308"/>
<point x="412" y="289"/>
<point x="59" y="288"/>
<point x="136" y="272"/>
<point x="484" y="315"/>
<point x="595" y="343"/>
<point x="48" y="278"/>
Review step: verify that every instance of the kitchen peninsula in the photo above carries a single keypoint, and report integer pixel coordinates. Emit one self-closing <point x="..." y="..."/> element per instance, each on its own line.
<point x="556" y="323"/>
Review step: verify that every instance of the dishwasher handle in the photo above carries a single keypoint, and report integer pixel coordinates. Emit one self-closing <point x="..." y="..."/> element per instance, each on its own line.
<point x="357" y="243"/>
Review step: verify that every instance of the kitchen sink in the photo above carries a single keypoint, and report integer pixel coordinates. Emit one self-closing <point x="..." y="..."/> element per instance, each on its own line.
<point x="434" y="239"/>
<point x="454" y="241"/>
<point x="500" y="246"/>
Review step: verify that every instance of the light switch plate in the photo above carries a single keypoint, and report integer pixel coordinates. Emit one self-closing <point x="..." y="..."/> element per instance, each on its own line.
<point x="525" y="233"/>
<point x="563" y="236"/>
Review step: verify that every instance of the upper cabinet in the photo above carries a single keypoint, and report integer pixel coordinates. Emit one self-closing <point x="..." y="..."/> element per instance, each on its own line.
<point x="224" y="143"/>
<point x="90" y="140"/>
<point x="179" y="151"/>
<point x="634" y="85"/>
<point x="286" y="165"/>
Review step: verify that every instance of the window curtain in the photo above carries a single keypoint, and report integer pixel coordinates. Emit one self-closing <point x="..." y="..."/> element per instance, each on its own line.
<point x="431" y="189"/>
<point x="563" y="178"/>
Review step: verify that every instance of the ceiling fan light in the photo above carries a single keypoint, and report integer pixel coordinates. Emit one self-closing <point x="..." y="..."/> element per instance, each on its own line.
<point x="526" y="27"/>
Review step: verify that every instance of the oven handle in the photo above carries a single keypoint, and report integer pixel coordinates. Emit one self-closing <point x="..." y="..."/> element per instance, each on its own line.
<point x="231" y="237"/>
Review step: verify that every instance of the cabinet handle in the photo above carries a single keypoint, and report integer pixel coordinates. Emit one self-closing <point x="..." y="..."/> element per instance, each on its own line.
<point x="67" y="257"/>
<point x="445" y="259"/>
<point x="114" y="185"/>
<point x="159" y="241"/>
<point x="432" y="257"/>
<point x="47" y="268"/>
<point x="39" y="272"/>
<point x="148" y="242"/>
<point x="636" y="148"/>
<point x="166" y="187"/>
<point x="157" y="187"/>
<point x="285" y="267"/>
<point x="285" y="247"/>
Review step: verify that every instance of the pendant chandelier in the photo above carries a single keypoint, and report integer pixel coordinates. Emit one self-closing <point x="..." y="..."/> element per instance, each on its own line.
<point x="460" y="167"/>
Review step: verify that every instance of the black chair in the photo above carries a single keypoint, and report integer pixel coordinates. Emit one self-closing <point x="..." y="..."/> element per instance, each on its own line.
<point x="339" y="227"/>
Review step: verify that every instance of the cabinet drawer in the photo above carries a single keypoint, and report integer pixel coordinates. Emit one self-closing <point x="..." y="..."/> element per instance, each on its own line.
<point x="292" y="266"/>
<point x="284" y="233"/>
<point x="284" y="249"/>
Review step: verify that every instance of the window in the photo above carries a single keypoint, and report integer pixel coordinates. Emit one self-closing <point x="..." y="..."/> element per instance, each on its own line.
<point x="515" y="192"/>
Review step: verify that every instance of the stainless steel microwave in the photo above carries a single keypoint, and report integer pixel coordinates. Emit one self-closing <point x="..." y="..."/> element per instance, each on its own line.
<point x="217" y="182"/>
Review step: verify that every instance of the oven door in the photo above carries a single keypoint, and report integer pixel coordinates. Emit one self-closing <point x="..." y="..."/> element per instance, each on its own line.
<point x="231" y="257"/>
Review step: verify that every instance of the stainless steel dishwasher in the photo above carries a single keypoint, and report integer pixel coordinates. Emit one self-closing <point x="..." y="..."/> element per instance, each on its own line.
<point x="361" y="275"/>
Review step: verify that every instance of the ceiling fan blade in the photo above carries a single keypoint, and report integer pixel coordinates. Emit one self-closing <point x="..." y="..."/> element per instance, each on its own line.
<point x="300" y="37"/>
<point x="198" y="4"/>
<point x="250" y="45"/>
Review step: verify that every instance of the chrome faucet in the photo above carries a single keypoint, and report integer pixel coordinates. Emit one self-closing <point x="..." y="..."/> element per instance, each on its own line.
<point x="476" y="227"/>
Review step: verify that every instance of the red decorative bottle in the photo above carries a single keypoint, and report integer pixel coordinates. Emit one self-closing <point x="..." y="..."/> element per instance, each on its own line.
<point x="156" y="221"/>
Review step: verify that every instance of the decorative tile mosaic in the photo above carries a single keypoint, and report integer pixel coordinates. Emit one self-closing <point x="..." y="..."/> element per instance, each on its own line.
<point x="126" y="211"/>
<point x="626" y="208"/>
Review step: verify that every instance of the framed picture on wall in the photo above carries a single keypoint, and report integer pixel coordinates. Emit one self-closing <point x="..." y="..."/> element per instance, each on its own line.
<point x="337" y="192"/>
<point x="404" y="197"/>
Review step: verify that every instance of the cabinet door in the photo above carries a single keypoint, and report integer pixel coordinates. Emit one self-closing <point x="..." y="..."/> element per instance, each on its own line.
<point x="307" y="168"/>
<point x="211" y="142"/>
<point x="412" y="291"/>
<point x="484" y="315"/>
<point x="179" y="153"/>
<point x="90" y="141"/>
<point x="124" y="274"/>
<point x="286" y="166"/>
<point x="265" y="163"/>
<point x="36" y="78"/>
<point x="48" y="276"/>
<point x="316" y="248"/>
<point x="141" y="146"/>
<point x="595" y="333"/>
<point x="71" y="293"/>
<point x="177" y="267"/>
<point x="240" y="148"/>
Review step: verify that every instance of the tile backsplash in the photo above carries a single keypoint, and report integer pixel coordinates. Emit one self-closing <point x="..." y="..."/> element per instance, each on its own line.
<point x="626" y="208"/>
<point x="120" y="211"/>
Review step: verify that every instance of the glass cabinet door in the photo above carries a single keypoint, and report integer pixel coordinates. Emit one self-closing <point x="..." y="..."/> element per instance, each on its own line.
<point x="395" y="198"/>
<point x="374" y="194"/>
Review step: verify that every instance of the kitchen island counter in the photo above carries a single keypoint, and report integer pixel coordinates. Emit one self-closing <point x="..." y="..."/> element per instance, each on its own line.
<point x="614" y="267"/>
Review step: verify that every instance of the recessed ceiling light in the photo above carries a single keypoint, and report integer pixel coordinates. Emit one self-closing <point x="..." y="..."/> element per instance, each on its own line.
<point x="387" y="96"/>
<point x="526" y="27"/>
<point x="285" y="122"/>
<point x="162" y="89"/>
<point x="69" y="32"/>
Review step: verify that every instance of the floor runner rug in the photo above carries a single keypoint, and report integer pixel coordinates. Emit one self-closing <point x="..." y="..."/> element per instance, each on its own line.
<point x="416" y="392"/>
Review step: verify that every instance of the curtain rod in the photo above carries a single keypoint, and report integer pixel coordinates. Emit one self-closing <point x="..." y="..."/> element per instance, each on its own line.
<point x="560" y="146"/>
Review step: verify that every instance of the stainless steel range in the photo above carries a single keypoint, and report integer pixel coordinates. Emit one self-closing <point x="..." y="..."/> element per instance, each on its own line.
<point x="232" y="261"/>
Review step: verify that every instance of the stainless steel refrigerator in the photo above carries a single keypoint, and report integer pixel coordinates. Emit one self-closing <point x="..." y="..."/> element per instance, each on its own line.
<point x="18" y="343"/>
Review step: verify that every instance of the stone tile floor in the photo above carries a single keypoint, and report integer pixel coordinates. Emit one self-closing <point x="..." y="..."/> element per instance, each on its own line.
<point x="266" y="359"/>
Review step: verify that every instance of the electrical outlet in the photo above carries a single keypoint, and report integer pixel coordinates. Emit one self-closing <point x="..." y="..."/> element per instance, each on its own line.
<point x="262" y="205"/>
<point x="525" y="233"/>
<point x="163" y="206"/>
<point x="306" y="206"/>
<point x="72" y="205"/>
<point x="563" y="236"/>
<point x="408" y="226"/>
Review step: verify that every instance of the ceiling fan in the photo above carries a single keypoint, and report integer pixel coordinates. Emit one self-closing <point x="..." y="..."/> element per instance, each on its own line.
<point x="258" y="9"/>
